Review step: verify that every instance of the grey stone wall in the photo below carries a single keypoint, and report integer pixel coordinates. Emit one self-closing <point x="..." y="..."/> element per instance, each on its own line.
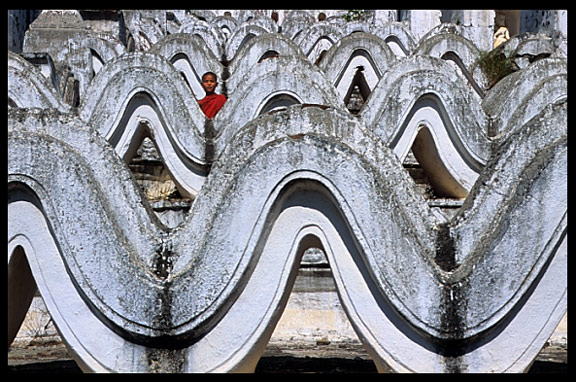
<point x="469" y="276"/>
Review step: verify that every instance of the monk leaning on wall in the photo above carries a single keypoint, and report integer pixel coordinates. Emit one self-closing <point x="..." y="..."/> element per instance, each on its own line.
<point x="212" y="102"/>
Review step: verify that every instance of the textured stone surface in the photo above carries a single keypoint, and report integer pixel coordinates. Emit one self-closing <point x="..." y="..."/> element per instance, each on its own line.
<point x="481" y="291"/>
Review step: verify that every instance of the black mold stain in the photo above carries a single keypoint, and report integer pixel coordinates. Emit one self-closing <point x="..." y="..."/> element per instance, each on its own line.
<point x="209" y="134"/>
<point x="165" y="360"/>
<point x="163" y="260"/>
<point x="445" y="252"/>
<point x="454" y="304"/>
<point x="452" y="322"/>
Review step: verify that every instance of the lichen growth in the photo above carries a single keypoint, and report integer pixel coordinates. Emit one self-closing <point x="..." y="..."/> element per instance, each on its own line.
<point x="353" y="15"/>
<point x="495" y="65"/>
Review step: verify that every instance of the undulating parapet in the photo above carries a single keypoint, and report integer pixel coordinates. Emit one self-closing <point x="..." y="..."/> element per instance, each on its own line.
<point x="287" y="165"/>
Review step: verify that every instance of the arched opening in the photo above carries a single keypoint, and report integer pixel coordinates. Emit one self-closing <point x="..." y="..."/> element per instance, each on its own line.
<point x="246" y="38"/>
<point x="396" y="46"/>
<point x="268" y="54"/>
<point x="226" y="31"/>
<point x="453" y="57"/>
<point x="434" y="178"/>
<point x="142" y="117"/>
<point x="316" y="53"/>
<point x="438" y="152"/>
<point x="358" y="92"/>
<point x="356" y="81"/>
<point x="182" y="63"/>
<point x="136" y="140"/>
<point x="157" y="184"/>
<point x="314" y="333"/>
<point x="97" y="62"/>
<point x="313" y="315"/>
<point x="278" y="102"/>
<point x="21" y="290"/>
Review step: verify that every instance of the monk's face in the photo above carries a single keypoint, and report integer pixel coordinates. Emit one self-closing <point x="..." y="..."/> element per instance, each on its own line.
<point x="209" y="83"/>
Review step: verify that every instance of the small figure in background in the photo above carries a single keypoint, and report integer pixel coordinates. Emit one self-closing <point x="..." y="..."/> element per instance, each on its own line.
<point x="502" y="34"/>
<point x="212" y="102"/>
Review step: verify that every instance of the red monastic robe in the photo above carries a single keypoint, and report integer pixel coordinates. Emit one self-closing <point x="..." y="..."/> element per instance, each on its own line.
<point x="211" y="104"/>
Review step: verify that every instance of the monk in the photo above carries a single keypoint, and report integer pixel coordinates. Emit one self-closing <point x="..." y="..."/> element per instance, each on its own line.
<point x="213" y="102"/>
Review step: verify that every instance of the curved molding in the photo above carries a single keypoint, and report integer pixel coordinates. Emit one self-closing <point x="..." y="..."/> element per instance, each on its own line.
<point x="241" y="35"/>
<point x="553" y="88"/>
<point x="27" y="87"/>
<point x="295" y="21"/>
<point x="527" y="92"/>
<point x="104" y="48"/>
<point x="450" y="45"/>
<point x="428" y="113"/>
<point x="142" y="117"/>
<point x="173" y="115"/>
<point x="265" y="80"/>
<point x="226" y="24"/>
<point x="210" y="33"/>
<point x="289" y="168"/>
<point x="310" y="37"/>
<point x="445" y="38"/>
<point x="161" y="300"/>
<point x="532" y="45"/>
<point x="191" y="56"/>
<point x="365" y="49"/>
<point x="398" y="37"/>
<point x="278" y="100"/>
<point x="426" y="92"/>
<point x="252" y="51"/>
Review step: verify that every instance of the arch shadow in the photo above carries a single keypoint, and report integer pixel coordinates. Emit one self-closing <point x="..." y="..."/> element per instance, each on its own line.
<point x="141" y="118"/>
<point x="21" y="289"/>
<point x="438" y="147"/>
